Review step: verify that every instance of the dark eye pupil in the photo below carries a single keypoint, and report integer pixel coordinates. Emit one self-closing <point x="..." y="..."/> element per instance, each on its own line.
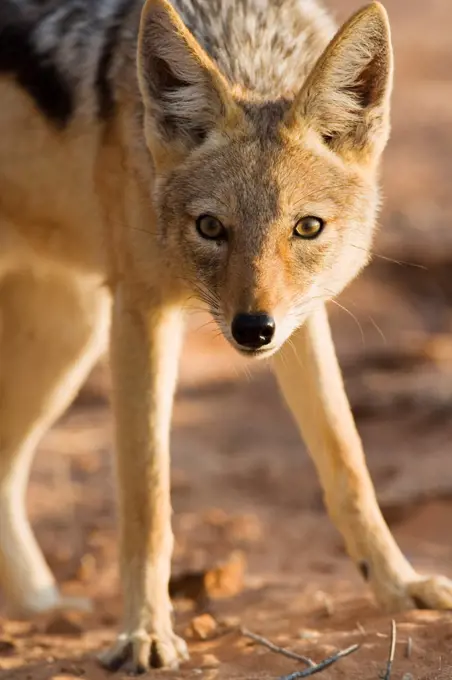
<point x="310" y="224"/>
<point x="211" y="225"/>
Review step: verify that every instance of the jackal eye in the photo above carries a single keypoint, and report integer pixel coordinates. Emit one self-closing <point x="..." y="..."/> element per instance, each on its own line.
<point x="211" y="228"/>
<point x="308" y="227"/>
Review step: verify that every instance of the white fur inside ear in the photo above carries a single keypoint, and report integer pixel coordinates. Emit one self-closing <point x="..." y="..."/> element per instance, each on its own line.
<point x="348" y="91"/>
<point x="177" y="87"/>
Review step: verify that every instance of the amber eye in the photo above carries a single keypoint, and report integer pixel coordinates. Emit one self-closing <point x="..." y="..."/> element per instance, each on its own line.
<point x="308" y="227"/>
<point x="211" y="228"/>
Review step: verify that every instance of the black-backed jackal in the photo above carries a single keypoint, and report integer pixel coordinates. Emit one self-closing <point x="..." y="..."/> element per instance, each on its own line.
<point x="225" y="151"/>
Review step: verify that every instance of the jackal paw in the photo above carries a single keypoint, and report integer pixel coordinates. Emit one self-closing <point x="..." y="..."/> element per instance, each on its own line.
<point x="431" y="592"/>
<point x="420" y="592"/>
<point x="138" y="651"/>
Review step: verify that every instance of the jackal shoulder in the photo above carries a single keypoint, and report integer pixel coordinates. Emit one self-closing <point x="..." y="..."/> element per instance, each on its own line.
<point x="71" y="55"/>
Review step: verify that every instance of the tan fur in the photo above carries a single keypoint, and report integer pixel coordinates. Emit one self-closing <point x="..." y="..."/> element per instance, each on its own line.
<point x="90" y="216"/>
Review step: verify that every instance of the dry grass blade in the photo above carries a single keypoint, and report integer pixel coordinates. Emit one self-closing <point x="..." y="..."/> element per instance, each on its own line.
<point x="409" y="648"/>
<point x="317" y="668"/>
<point x="392" y="646"/>
<point x="274" y="648"/>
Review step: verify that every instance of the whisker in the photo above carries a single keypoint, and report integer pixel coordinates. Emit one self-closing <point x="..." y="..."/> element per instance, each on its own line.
<point x="335" y="302"/>
<point x="218" y="335"/>
<point x="207" y="323"/>
<point x="293" y="346"/>
<point x="144" y="231"/>
<point x="378" y="329"/>
<point x="247" y="372"/>
<point x="391" y="259"/>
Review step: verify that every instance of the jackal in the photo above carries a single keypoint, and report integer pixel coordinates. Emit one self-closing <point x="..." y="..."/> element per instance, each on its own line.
<point x="225" y="151"/>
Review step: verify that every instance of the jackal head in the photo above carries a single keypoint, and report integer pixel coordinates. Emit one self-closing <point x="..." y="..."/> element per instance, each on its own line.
<point x="266" y="207"/>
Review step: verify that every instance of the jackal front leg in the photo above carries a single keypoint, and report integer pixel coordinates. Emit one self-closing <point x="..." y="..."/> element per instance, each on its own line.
<point x="145" y="350"/>
<point x="310" y="379"/>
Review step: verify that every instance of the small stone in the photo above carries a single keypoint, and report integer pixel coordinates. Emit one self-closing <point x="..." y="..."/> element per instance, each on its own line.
<point x="306" y="634"/>
<point x="209" y="661"/>
<point x="203" y="627"/>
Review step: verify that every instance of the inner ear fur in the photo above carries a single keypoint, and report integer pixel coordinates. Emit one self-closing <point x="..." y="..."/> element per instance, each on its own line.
<point x="346" y="98"/>
<point x="184" y="94"/>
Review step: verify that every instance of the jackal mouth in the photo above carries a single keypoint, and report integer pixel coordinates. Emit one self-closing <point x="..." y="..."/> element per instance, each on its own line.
<point x="259" y="353"/>
<point x="251" y="352"/>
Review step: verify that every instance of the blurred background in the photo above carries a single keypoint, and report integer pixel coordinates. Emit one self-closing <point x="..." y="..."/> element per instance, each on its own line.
<point x="253" y="543"/>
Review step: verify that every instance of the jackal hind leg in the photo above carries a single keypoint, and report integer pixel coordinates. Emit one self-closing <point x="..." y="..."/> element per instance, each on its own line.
<point x="51" y="333"/>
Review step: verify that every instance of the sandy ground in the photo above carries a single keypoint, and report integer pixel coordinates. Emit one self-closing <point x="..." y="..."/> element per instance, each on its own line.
<point x="245" y="493"/>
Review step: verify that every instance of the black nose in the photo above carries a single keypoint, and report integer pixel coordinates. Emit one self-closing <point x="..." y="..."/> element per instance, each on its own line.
<point x="253" y="330"/>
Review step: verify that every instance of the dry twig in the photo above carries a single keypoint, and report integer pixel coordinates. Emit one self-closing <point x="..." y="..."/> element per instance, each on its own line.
<point x="361" y="628"/>
<point x="409" y="648"/>
<point x="392" y="646"/>
<point x="317" y="668"/>
<point x="274" y="648"/>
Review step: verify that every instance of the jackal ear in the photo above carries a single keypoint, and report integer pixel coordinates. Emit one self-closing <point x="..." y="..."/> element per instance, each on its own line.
<point x="184" y="94"/>
<point x="346" y="97"/>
